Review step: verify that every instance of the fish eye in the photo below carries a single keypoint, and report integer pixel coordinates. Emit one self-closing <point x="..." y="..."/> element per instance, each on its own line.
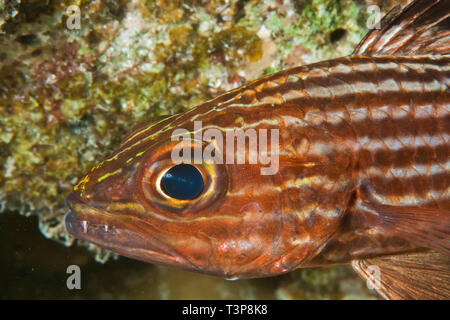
<point x="178" y="190"/>
<point x="182" y="182"/>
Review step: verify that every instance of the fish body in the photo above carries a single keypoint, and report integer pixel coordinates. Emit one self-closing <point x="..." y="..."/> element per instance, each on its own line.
<point x="361" y="172"/>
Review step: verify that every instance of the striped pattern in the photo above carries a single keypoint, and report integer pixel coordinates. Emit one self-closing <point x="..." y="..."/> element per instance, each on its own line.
<point x="393" y="112"/>
<point x="357" y="135"/>
<point x="378" y="121"/>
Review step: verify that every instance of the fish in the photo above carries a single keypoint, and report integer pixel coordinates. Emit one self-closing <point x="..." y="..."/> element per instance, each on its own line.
<point x="356" y="151"/>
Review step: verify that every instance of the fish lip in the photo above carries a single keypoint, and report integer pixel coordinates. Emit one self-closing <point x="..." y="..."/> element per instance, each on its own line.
<point x="88" y="226"/>
<point x="151" y="253"/>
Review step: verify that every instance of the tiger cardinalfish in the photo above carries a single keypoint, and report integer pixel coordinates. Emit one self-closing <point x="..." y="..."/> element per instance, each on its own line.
<point x="362" y="178"/>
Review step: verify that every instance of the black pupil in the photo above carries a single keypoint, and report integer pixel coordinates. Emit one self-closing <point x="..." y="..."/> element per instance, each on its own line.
<point x="182" y="182"/>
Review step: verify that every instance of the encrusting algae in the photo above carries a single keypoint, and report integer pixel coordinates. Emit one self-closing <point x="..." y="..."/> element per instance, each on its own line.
<point x="67" y="96"/>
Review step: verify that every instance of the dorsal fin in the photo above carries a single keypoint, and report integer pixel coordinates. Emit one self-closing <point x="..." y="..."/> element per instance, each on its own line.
<point x="423" y="27"/>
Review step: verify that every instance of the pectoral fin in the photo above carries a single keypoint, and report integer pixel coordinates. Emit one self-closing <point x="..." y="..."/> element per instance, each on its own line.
<point x="424" y="275"/>
<point x="425" y="227"/>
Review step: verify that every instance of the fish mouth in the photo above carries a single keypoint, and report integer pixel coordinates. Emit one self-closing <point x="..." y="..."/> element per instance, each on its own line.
<point x="122" y="234"/>
<point x="130" y="236"/>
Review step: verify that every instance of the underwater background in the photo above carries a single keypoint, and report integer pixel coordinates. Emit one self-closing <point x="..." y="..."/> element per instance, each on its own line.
<point x="68" y="96"/>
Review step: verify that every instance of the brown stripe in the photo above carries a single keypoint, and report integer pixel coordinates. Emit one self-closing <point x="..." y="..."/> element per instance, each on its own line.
<point x="403" y="157"/>
<point x="417" y="186"/>
<point x="389" y="127"/>
<point x="403" y="71"/>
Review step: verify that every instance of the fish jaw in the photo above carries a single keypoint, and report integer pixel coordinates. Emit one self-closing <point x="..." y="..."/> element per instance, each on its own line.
<point x="136" y="237"/>
<point x="112" y="232"/>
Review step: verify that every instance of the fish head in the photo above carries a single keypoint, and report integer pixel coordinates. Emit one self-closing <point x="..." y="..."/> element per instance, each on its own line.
<point x="242" y="221"/>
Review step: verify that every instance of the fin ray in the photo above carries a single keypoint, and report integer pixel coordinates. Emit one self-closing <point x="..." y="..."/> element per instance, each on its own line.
<point x="423" y="27"/>
<point x="423" y="275"/>
<point x="426" y="227"/>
